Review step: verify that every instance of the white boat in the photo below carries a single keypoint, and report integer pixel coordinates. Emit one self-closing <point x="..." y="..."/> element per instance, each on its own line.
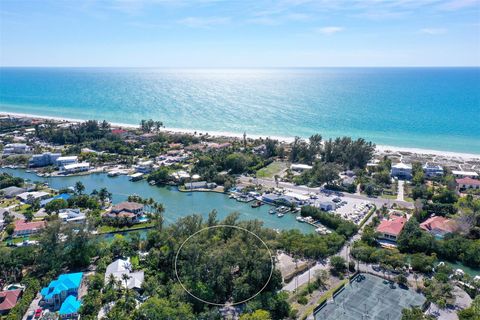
<point x="271" y="211"/>
<point x="280" y="214"/>
<point x="300" y="219"/>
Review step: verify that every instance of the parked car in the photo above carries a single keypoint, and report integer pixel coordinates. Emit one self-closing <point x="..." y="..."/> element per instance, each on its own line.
<point x="38" y="313"/>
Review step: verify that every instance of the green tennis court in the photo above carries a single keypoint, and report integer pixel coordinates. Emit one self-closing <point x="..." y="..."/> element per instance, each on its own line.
<point x="371" y="298"/>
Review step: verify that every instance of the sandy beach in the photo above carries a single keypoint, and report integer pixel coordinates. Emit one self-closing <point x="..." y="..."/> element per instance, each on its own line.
<point x="379" y="148"/>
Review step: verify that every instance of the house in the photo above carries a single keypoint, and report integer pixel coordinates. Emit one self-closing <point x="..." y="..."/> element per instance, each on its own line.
<point x="44" y="159"/>
<point x="327" y="206"/>
<point x="270" y="198"/>
<point x="439" y="226"/>
<point x="23" y="228"/>
<point x="260" y="150"/>
<point x="71" y="215"/>
<point x="391" y="229"/>
<point x="401" y="171"/>
<point x="76" y="167"/>
<point x="63" y="161"/>
<point x="200" y="185"/>
<point x="12" y="192"/>
<point x="69" y="308"/>
<point x="56" y="296"/>
<point x="29" y="197"/>
<point x="433" y="170"/>
<point x="16" y="148"/>
<point x="120" y="267"/>
<point x="300" y="167"/>
<point x="64" y="196"/>
<point x="467" y="183"/>
<point x="131" y="211"/>
<point x="465" y="174"/>
<point x="144" y="166"/>
<point x="8" y="300"/>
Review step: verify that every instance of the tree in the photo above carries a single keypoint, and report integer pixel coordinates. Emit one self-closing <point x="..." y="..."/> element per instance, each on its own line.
<point x="159" y="309"/>
<point x="338" y="265"/>
<point x="415" y="313"/>
<point x="79" y="187"/>
<point x="256" y="315"/>
<point x="55" y="206"/>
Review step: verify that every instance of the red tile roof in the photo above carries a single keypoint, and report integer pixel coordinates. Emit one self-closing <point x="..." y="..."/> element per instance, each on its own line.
<point x="468" y="181"/>
<point x="393" y="227"/>
<point x="439" y="223"/>
<point x="9" y="298"/>
<point x="118" y="131"/>
<point x="21" y="225"/>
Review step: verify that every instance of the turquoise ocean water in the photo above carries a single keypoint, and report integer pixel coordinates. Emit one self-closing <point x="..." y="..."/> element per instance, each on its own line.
<point x="430" y="108"/>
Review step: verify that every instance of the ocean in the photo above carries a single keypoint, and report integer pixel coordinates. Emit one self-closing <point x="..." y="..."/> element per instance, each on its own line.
<point x="427" y="108"/>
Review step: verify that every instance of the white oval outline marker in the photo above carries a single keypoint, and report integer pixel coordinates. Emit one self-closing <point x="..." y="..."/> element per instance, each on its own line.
<point x="221" y="226"/>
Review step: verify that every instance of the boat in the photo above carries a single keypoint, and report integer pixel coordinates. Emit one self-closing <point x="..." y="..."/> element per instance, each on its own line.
<point x="300" y="219"/>
<point x="256" y="204"/>
<point x="280" y="214"/>
<point x="272" y="211"/>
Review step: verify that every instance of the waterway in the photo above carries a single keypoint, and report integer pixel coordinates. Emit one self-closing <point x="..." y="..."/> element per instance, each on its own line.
<point x="177" y="204"/>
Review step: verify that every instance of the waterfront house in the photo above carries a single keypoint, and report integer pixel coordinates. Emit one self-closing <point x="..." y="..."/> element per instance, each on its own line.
<point x="120" y="267"/>
<point x="270" y="198"/>
<point x="401" y="171"/>
<point x="390" y="229"/>
<point x="56" y="296"/>
<point x="71" y="215"/>
<point x="63" y="161"/>
<point x="16" y="148"/>
<point x="130" y="211"/>
<point x="44" y="159"/>
<point x="8" y="300"/>
<point x="200" y="185"/>
<point x="29" y="197"/>
<point x="12" y="192"/>
<point x="467" y="183"/>
<point x="465" y="174"/>
<point x="22" y="228"/>
<point x="439" y="226"/>
<point x="299" y="167"/>
<point x="144" y="166"/>
<point x="432" y="170"/>
<point x="76" y="167"/>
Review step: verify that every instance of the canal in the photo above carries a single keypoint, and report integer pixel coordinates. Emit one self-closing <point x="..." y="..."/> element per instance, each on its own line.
<point x="177" y="204"/>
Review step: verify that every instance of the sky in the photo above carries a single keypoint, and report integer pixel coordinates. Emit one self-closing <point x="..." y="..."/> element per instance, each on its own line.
<point x="239" y="33"/>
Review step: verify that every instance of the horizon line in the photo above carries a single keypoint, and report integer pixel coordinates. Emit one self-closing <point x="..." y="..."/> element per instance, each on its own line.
<point x="262" y="67"/>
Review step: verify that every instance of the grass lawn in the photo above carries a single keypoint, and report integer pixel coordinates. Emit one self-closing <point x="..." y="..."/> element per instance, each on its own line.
<point x="271" y="170"/>
<point x="8" y="202"/>
<point x="107" y="229"/>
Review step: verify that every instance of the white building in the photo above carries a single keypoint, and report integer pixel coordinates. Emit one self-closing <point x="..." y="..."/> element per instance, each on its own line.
<point x="433" y="170"/>
<point x="71" y="215"/>
<point x="16" y="148"/>
<point x="300" y="167"/>
<point x="27" y="196"/>
<point x="44" y="159"/>
<point x="63" y="161"/>
<point x="465" y="174"/>
<point x="402" y="171"/>
<point x="120" y="267"/>
<point x="76" y="167"/>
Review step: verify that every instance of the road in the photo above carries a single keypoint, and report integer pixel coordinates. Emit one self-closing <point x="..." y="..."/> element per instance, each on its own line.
<point x="304" y="189"/>
<point x="400" y="196"/>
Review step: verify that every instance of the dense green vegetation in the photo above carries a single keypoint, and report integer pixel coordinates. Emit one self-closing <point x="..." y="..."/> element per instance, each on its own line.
<point x="7" y="180"/>
<point x="341" y="226"/>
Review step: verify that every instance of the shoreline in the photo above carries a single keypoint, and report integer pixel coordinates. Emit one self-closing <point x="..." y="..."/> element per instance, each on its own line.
<point x="379" y="148"/>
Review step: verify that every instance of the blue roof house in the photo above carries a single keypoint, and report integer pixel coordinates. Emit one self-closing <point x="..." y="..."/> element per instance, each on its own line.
<point x="60" y="293"/>
<point x="69" y="308"/>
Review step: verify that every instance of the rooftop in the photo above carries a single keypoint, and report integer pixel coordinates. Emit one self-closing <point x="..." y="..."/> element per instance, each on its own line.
<point x="70" y="305"/>
<point x="21" y="225"/>
<point x="9" y="298"/>
<point x="64" y="282"/>
<point x="393" y="227"/>
<point x="468" y="181"/>
<point x="128" y="206"/>
<point x="439" y="223"/>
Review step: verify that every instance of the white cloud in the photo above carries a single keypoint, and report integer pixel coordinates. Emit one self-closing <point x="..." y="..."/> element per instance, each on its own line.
<point x="200" y="22"/>
<point x="433" y="31"/>
<point x="329" y="30"/>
